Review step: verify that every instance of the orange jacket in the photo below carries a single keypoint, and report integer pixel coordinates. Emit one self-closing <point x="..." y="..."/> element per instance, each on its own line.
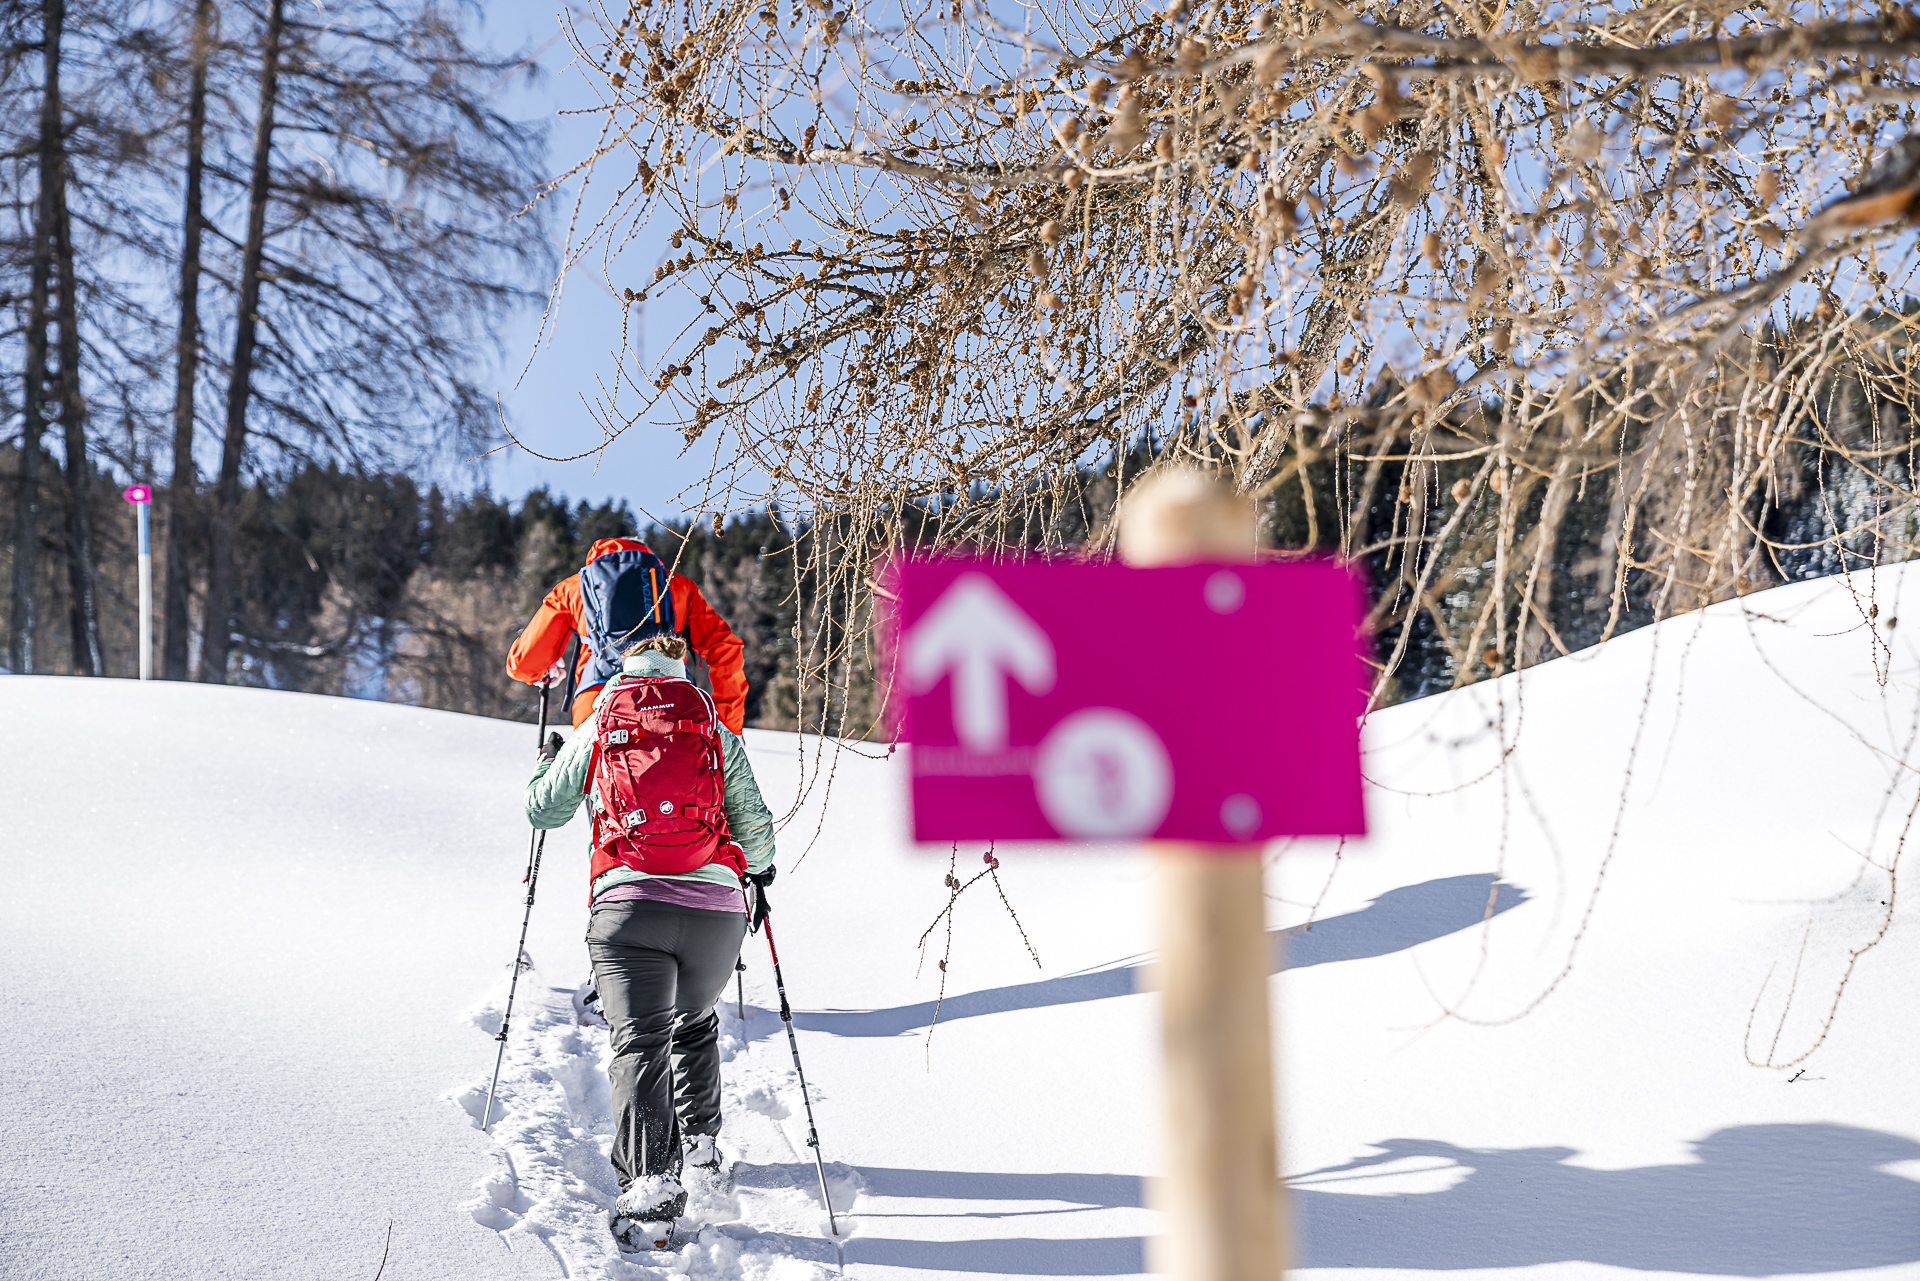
<point x="542" y="641"/>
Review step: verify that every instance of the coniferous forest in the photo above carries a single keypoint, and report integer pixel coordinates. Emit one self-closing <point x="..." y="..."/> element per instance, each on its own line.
<point x="368" y="586"/>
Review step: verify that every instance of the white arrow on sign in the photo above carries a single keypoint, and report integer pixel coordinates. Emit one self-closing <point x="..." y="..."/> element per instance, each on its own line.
<point x="976" y="633"/>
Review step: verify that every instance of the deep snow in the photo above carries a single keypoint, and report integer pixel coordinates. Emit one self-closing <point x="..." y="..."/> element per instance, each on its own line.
<point x="253" y="946"/>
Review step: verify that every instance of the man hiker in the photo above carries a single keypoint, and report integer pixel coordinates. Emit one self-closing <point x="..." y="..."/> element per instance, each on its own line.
<point x="678" y="826"/>
<point x="624" y="593"/>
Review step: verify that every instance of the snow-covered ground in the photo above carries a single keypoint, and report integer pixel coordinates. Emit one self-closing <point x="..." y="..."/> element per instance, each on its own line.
<point x="253" y="947"/>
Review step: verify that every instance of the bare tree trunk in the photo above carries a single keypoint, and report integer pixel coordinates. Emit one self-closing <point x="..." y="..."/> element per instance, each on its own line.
<point x="173" y="654"/>
<point x="219" y="630"/>
<point x="84" y="606"/>
<point x="26" y="528"/>
<point x="26" y="510"/>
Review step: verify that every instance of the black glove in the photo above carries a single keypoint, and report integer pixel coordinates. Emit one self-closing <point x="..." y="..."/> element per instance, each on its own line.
<point x="551" y="748"/>
<point x="759" y="905"/>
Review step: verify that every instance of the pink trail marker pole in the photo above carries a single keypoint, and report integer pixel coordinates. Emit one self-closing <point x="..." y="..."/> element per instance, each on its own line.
<point x="141" y="496"/>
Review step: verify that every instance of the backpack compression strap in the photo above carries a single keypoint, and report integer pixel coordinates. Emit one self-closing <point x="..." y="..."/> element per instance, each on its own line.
<point x="622" y="736"/>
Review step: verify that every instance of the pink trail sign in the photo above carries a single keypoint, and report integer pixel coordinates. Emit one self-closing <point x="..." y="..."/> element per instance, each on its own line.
<point x="1065" y="701"/>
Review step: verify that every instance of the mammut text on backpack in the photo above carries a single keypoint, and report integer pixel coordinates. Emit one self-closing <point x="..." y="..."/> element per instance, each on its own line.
<point x="657" y="781"/>
<point x="626" y="596"/>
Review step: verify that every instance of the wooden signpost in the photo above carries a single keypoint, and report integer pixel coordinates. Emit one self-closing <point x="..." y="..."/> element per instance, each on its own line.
<point x="1221" y="1194"/>
<point x="1192" y="698"/>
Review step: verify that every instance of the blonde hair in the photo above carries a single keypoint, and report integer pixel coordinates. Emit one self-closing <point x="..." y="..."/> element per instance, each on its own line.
<point x="665" y="643"/>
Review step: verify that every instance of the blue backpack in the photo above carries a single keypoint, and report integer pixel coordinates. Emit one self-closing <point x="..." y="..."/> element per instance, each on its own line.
<point x="626" y="596"/>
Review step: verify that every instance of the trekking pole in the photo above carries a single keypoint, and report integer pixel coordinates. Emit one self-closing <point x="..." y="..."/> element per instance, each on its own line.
<point x="740" y="987"/>
<point x="786" y="1016"/>
<point x="532" y="879"/>
<point x="499" y="1055"/>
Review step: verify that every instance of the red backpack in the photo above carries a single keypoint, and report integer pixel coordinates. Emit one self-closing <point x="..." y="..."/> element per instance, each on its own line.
<point x="657" y="781"/>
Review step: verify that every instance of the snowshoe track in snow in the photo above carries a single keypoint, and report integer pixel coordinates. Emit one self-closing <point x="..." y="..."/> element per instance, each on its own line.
<point x="552" y="1184"/>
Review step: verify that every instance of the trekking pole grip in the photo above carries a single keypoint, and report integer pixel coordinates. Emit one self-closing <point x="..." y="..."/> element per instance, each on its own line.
<point x="546" y="688"/>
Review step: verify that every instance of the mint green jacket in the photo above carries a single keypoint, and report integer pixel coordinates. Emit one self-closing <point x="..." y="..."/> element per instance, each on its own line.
<point x="555" y="792"/>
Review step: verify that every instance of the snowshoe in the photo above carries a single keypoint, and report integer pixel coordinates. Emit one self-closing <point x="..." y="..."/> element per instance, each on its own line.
<point x="703" y="1155"/>
<point x="636" y="1236"/>
<point x="643" y="1216"/>
<point x="586" y="1006"/>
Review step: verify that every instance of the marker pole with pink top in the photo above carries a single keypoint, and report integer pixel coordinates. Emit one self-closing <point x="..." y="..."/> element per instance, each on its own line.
<point x="141" y="496"/>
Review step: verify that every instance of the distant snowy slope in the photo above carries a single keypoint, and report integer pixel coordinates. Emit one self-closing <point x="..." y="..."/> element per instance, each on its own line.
<point x="253" y="947"/>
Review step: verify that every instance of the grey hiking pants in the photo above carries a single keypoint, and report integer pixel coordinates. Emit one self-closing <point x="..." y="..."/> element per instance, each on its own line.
<point x="660" y="967"/>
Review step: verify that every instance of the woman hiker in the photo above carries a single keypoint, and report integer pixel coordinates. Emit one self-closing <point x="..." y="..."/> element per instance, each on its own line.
<point x="679" y="832"/>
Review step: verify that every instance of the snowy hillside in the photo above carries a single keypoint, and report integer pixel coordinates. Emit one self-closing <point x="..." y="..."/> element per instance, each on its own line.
<point x="253" y="945"/>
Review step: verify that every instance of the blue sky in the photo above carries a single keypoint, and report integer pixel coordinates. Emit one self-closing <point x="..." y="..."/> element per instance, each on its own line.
<point x="542" y="380"/>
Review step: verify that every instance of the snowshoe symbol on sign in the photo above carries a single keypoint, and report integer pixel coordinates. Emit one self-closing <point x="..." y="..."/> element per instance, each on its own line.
<point x="1100" y="773"/>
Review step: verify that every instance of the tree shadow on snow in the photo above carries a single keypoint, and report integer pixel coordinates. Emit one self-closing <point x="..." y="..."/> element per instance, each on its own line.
<point x="1020" y="1256"/>
<point x="1029" y="1256"/>
<point x="1398" y="919"/>
<point x="1759" y="1200"/>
